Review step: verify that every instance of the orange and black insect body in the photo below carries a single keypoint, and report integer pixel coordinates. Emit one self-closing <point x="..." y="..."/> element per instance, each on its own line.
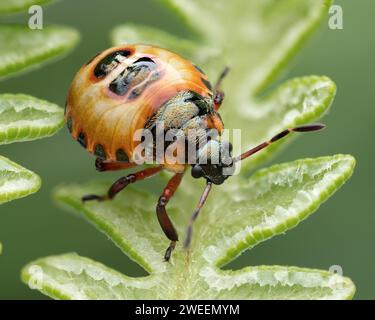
<point x="132" y="87"/>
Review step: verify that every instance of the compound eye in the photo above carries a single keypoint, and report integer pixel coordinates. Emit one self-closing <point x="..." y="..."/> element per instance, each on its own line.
<point x="197" y="172"/>
<point x="227" y="146"/>
<point x="230" y="147"/>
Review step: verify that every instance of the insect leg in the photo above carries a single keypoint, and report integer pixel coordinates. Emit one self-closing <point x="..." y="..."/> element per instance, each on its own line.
<point x="101" y="165"/>
<point x="165" y="223"/>
<point x="219" y="94"/>
<point x="123" y="182"/>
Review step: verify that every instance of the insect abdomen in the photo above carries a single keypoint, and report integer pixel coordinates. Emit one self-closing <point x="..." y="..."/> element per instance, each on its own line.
<point x="120" y="90"/>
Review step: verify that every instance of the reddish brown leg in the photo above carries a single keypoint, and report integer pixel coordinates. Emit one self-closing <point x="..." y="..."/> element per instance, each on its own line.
<point x="101" y="165"/>
<point x="219" y="94"/>
<point x="123" y="182"/>
<point x="165" y="223"/>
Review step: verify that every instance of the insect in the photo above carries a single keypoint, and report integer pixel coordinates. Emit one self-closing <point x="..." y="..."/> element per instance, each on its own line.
<point x="133" y="87"/>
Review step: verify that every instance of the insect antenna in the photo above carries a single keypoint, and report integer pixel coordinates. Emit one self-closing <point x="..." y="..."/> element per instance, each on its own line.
<point x="222" y="75"/>
<point x="218" y="93"/>
<point x="282" y="134"/>
<point x="195" y="214"/>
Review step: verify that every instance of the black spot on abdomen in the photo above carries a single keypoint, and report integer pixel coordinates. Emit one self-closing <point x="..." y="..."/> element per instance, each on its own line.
<point x="82" y="139"/>
<point x="207" y="84"/>
<point x="136" y="78"/>
<point x="121" y="156"/>
<point x="100" y="152"/>
<point x="69" y="124"/>
<point x="65" y="106"/>
<point x="199" y="69"/>
<point x="110" y="62"/>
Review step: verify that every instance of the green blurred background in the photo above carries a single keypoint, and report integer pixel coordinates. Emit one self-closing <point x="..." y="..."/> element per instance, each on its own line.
<point x="341" y="232"/>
